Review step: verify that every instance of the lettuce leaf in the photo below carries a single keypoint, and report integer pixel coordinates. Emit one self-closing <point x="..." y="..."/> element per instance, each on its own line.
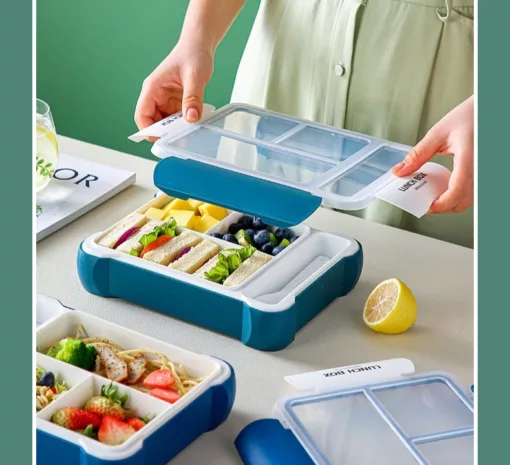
<point x="167" y="229"/>
<point x="228" y="264"/>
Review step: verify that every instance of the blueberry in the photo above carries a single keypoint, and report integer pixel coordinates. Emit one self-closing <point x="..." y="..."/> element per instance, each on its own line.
<point x="217" y="235"/>
<point x="247" y="222"/>
<point x="292" y="239"/>
<point x="287" y="233"/>
<point x="230" y="238"/>
<point x="235" y="228"/>
<point x="262" y="237"/>
<point x="279" y="234"/>
<point x="267" y="248"/>
<point x="259" y="224"/>
<point x="250" y="233"/>
<point x="277" y="250"/>
<point x="47" y="379"/>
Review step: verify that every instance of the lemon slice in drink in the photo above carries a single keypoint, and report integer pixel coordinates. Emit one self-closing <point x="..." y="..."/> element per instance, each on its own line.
<point x="49" y="135"/>
<point x="391" y="308"/>
<point x="47" y="155"/>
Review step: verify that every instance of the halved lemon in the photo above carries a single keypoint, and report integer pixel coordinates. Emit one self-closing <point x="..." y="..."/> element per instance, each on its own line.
<point x="391" y="308"/>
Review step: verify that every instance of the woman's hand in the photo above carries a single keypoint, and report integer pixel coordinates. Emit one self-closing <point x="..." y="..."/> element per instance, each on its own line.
<point x="453" y="135"/>
<point x="178" y="83"/>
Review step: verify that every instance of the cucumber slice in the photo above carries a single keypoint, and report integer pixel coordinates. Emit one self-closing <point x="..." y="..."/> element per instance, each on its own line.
<point x="243" y="238"/>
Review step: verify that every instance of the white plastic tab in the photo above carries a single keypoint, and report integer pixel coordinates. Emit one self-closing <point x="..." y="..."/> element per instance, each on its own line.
<point x="350" y="376"/>
<point x="170" y="126"/>
<point x="47" y="308"/>
<point x="416" y="193"/>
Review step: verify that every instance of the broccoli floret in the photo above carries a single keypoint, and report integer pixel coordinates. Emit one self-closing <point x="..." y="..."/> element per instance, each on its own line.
<point x="74" y="352"/>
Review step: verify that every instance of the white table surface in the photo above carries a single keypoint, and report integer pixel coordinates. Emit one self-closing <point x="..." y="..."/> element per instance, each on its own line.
<point x="439" y="274"/>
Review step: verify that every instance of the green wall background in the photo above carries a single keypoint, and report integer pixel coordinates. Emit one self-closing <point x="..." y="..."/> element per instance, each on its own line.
<point x="93" y="56"/>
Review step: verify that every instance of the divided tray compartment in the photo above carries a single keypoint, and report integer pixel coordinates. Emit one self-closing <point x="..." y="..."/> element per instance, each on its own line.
<point x="64" y="373"/>
<point x="245" y="312"/>
<point x="424" y="420"/>
<point x="173" y="427"/>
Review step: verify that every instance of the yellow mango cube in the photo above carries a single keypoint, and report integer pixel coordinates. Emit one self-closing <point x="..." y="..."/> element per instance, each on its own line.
<point x="155" y="213"/>
<point x="195" y="204"/>
<point x="183" y="218"/>
<point x="205" y="223"/>
<point x="179" y="204"/>
<point x="212" y="210"/>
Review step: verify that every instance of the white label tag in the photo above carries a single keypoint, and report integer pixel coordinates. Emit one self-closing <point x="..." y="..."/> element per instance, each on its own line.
<point x="353" y="375"/>
<point x="169" y="126"/>
<point x="416" y="193"/>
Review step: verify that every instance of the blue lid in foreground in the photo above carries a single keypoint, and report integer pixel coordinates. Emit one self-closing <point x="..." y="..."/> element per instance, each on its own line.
<point x="423" y="420"/>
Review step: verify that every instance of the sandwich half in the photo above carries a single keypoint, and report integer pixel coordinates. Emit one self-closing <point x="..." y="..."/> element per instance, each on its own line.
<point x="134" y="241"/>
<point x="135" y="220"/>
<point x="247" y="268"/>
<point x="196" y="257"/>
<point x="169" y="251"/>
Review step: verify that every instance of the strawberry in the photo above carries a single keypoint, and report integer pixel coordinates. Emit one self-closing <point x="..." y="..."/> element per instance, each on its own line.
<point x="168" y="395"/>
<point x="102" y="406"/>
<point x="114" y="431"/>
<point x="76" y="418"/>
<point x="159" y="379"/>
<point x="108" y="403"/>
<point x="136" y="423"/>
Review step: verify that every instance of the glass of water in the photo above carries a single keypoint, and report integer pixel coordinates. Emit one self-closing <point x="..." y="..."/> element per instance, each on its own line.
<point x="47" y="146"/>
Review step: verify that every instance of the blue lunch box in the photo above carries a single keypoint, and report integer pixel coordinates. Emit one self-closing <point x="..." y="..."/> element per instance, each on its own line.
<point x="269" y="166"/>
<point x="424" y="419"/>
<point x="173" y="426"/>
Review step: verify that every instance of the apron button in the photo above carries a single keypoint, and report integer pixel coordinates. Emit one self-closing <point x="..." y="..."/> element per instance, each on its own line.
<point x="339" y="70"/>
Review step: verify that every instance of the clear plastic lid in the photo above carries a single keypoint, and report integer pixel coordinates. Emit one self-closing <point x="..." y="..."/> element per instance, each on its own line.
<point x="423" y="419"/>
<point x="340" y="169"/>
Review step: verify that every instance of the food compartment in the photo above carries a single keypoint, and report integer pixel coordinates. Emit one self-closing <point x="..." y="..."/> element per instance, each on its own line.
<point x="372" y="168"/>
<point x="103" y="413"/>
<point x="54" y="380"/>
<point x="252" y="124"/>
<point x="452" y="451"/>
<point x="142" y="356"/>
<point x="306" y="260"/>
<point x="189" y="214"/>
<point x="326" y="143"/>
<point x="347" y="430"/>
<point x="241" y="229"/>
<point x="434" y="402"/>
<point x="259" y="158"/>
<point x="176" y="249"/>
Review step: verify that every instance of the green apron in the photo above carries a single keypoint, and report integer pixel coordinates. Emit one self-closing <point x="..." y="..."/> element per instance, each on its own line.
<point x="386" y="68"/>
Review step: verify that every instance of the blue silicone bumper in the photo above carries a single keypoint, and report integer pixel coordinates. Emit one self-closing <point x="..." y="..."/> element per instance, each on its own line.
<point x="261" y="330"/>
<point x="267" y="442"/>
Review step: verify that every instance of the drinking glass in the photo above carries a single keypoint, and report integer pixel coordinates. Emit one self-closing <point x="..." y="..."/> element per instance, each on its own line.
<point x="47" y="146"/>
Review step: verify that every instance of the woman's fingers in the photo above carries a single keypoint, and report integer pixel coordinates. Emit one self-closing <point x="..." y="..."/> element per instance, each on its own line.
<point x="421" y="154"/>
<point x="145" y="111"/>
<point x="459" y="195"/>
<point x="193" y="96"/>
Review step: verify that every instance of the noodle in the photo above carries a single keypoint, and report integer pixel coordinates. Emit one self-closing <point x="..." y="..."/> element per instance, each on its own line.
<point x="43" y="396"/>
<point x="183" y="381"/>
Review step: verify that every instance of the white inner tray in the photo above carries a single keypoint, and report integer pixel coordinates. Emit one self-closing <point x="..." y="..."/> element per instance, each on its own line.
<point x="84" y="384"/>
<point x="275" y="285"/>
